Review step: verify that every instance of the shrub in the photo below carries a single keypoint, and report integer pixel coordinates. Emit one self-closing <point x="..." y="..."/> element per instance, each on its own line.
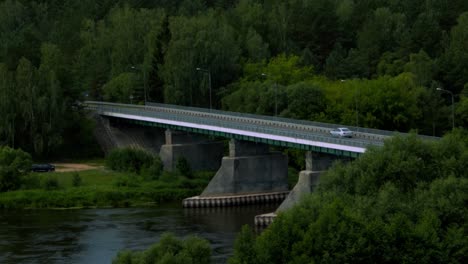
<point x="170" y="250"/>
<point x="129" y="160"/>
<point x="14" y="164"/>
<point x="76" y="179"/>
<point x="50" y="183"/>
<point x="183" y="167"/>
<point x="125" y="181"/>
<point x="154" y="171"/>
<point x="31" y="181"/>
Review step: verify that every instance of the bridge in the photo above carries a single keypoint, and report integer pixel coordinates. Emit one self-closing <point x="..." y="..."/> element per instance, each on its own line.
<point x="251" y="172"/>
<point x="306" y="135"/>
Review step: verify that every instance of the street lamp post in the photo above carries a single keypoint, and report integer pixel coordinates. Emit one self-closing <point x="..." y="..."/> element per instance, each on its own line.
<point x="276" y="95"/>
<point x="356" y="109"/>
<point x="453" y="107"/>
<point x="209" y="80"/>
<point x="144" y="81"/>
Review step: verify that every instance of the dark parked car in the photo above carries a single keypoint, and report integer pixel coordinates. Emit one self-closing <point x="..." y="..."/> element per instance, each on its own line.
<point x="42" y="167"/>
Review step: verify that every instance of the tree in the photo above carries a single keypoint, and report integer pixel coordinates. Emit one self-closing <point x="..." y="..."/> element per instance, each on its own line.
<point x="244" y="251"/>
<point x="264" y="85"/>
<point x="169" y="250"/>
<point x="121" y="89"/>
<point x="126" y="38"/>
<point x="381" y="33"/>
<point x="305" y="101"/>
<point x="455" y="59"/>
<point x="422" y="67"/>
<point x="400" y="203"/>
<point x="8" y="107"/>
<point x="14" y="164"/>
<point x="206" y="41"/>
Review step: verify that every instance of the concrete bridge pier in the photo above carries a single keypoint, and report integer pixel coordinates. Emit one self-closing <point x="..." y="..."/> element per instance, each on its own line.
<point x="316" y="164"/>
<point x="200" y="152"/>
<point x="250" y="174"/>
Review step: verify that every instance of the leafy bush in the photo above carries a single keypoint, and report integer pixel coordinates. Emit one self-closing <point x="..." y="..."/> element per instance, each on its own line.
<point x="169" y="250"/>
<point x="125" y="181"/>
<point x="31" y="181"/>
<point x="76" y="179"/>
<point x="14" y="164"/>
<point x="155" y="170"/>
<point x="183" y="167"/>
<point x="129" y="160"/>
<point x="50" y="183"/>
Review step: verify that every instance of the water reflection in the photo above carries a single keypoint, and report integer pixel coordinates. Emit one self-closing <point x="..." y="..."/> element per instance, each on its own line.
<point x="96" y="235"/>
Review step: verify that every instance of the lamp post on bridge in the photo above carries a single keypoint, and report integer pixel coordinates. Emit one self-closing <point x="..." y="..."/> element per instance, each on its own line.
<point x="144" y="80"/>
<point x="276" y="95"/>
<point x="453" y="108"/>
<point x="356" y="109"/>
<point x="209" y="80"/>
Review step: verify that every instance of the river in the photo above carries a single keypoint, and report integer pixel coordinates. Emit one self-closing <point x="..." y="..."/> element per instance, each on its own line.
<point x="96" y="235"/>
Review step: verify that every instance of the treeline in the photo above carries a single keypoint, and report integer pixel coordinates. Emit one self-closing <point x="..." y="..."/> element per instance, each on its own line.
<point x="346" y="61"/>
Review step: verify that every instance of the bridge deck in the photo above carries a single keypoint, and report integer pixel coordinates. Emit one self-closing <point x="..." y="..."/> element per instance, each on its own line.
<point x="276" y="131"/>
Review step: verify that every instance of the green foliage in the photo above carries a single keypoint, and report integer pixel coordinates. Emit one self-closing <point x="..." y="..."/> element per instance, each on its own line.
<point x="404" y="162"/>
<point x="53" y="54"/>
<point x="120" y="89"/>
<point x="100" y="188"/>
<point x="155" y="170"/>
<point x="244" y="247"/>
<point x="455" y="59"/>
<point x="125" y="181"/>
<point x="76" y="180"/>
<point x="50" y="183"/>
<point x="183" y="167"/>
<point x="265" y="85"/>
<point x="129" y="160"/>
<point x="169" y="250"/>
<point x="14" y="165"/>
<point x="403" y="203"/>
<point x="305" y="100"/>
<point x="204" y="41"/>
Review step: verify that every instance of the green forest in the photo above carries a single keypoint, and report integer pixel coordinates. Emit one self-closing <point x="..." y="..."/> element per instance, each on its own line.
<point x="366" y="63"/>
<point x="398" y="65"/>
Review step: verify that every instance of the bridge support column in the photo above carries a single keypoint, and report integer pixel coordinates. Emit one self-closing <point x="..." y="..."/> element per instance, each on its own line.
<point x="201" y="153"/>
<point x="316" y="164"/>
<point x="250" y="174"/>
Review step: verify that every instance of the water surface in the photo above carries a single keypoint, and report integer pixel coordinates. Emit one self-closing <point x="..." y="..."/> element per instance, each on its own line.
<point x="96" y="235"/>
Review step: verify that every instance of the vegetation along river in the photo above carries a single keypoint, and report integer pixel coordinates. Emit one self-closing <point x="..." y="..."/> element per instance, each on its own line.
<point x="96" y="235"/>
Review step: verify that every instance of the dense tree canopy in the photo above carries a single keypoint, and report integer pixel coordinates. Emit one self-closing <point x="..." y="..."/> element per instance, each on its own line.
<point x="54" y="53"/>
<point x="403" y="203"/>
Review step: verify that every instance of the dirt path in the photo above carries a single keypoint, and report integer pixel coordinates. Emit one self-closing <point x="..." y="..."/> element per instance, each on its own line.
<point x="63" y="167"/>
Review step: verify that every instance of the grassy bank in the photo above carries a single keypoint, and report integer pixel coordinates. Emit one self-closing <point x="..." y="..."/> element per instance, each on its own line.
<point x="101" y="188"/>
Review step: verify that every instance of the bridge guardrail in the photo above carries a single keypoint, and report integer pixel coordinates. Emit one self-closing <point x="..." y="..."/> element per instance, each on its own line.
<point x="371" y="132"/>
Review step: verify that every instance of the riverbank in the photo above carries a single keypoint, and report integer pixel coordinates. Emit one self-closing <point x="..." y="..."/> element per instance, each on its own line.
<point x="100" y="188"/>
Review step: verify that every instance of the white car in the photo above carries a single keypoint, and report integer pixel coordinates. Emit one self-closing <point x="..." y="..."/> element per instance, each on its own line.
<point x="341" y="132"/>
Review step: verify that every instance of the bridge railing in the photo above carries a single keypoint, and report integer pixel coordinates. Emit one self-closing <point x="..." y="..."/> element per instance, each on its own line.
<point x="138" y="110"/>
<point x="287" y="120"/>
